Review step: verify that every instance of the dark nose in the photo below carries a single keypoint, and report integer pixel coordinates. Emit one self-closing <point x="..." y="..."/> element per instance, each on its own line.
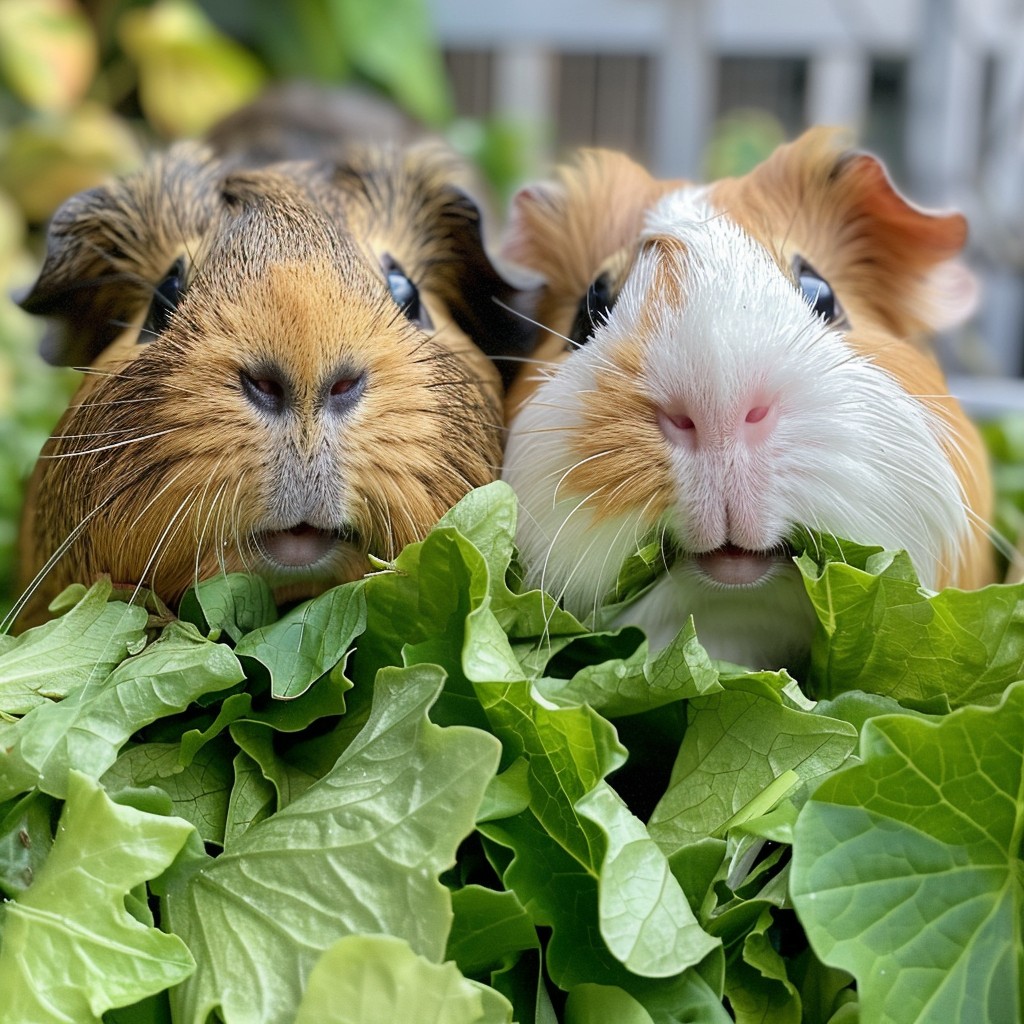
<point x="266" y="387"/>
<point x="343" y="390"/>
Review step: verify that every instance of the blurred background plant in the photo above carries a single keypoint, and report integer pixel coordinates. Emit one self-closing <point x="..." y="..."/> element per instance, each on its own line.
<point x="86" y="88"/>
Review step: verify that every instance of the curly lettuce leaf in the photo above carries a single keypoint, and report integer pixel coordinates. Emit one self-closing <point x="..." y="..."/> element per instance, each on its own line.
<point x="199" y="791"/>
<point x="233" y="603"/>
<point x="756" y="982"/>
<point x="360" y="851"/>
<point x="560" y="894"/>
<point x="643" y="914"/>
<point x="881" y="633"/>
<point x="639" y="682"/>
<point x="307" y="642"/>
<point x="379" y="979"/>
<point x="907" y="869"/>
<point x="490" y="928"/>
<point x="70" y="949"/>
<point x="84" y="644"/>
<point x="419" y="609"/>
<point x="87" y="729"/>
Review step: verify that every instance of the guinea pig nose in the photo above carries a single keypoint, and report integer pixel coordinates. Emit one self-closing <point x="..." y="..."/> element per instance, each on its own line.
<point x="344" y="389"/>
<point x="688" y="428"/>
<point x="266" y="388"/>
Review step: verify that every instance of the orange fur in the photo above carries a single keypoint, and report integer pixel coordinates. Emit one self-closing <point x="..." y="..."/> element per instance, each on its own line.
<point x="882" y="255"/>
<point x="567" y="231"/>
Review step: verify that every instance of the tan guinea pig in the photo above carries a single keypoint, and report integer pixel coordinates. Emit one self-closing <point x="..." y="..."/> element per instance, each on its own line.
<point x="288" y="370"/>
<point x="749" y="359"/>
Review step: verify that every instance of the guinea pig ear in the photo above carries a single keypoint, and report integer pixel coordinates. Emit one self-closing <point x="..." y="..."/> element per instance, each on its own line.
<point x="916" y="282"/>
<point x="108" y="248"/>
<point x="565" y="229"/>
<point x="486" y="307"/>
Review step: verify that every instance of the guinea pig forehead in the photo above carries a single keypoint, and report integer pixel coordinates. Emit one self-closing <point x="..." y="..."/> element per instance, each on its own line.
<point x="695" y="256"/>
<point x="268" y="218"/>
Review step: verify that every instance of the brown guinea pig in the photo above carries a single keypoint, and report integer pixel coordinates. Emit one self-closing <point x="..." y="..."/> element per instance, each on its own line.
<point x="730" y="363"/>
<point x="288" y="370"/>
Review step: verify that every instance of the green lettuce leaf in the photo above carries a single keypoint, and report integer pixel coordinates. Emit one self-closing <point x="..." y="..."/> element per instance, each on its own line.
<point x="490" y="929"/>
<point x="378" y="979"/>
<point x="25" y="840"/>
<point x="253" y="798"/>
<point x="359" y="852"/>
<point x="627" y="686"/>
<point x="234" y="603"/>
<point x="880" y="632"/>
<point x="560" y="894"/>
<point x="308" y="641"/>
<point x="603" y="1004"/>
<point x="199" y="791"/>
<point x="84" y="644"/>
<point x="70" y="949"/>
<point x="87" y="729"/>
<point x="743" y="752"/>
<point x="907" y="869"/>
<point x="758" y="987"/>
<point x="643" y="914"/>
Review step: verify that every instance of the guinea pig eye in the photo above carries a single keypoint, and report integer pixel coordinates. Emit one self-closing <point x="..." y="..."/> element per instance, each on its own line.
<point x="406" y="294"/>
<point x="817" y="291"/>
<point x="166" y="296"/>
<point x="593" y="310"/>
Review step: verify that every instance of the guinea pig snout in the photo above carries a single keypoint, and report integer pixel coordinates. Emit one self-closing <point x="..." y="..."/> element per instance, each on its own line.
<point x="693" y="424"/>
<point x="269" y="389"/>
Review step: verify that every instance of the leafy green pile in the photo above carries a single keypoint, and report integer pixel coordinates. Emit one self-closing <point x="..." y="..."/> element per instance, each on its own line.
<point x="428" y="796"/>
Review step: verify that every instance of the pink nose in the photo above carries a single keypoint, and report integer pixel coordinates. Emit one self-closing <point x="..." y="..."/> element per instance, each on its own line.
<point x="690" y="428"/>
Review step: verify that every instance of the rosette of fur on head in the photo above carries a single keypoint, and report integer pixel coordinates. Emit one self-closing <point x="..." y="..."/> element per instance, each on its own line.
<point x="289" y="370"/>
<point x="732" y="364"/>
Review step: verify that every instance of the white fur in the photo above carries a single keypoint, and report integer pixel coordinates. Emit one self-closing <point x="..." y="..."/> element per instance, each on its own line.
<point x="851" y="453"/>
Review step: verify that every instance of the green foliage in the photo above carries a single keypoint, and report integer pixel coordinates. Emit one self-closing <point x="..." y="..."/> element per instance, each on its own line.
<point x="423" y="801"/>
<point x="907" y="869"/>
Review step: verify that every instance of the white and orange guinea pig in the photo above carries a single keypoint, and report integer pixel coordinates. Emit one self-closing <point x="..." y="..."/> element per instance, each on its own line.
<point x="289" y="370"/>
<point x="728" y="365"/>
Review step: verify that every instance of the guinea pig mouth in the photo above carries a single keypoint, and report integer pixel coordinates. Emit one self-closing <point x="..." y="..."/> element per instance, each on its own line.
<point x="733" y="566"/>
<point x="302" y="545"/>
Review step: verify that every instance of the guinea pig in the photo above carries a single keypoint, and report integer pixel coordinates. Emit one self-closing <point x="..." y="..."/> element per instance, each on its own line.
<point x="290" y="370"/>
<point x="730" y="364"/>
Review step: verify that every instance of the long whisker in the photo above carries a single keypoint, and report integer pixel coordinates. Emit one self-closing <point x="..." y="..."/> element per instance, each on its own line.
<point x="40" y="576"/>
<point x="189" y="500"/>
<point x="110" y="447"/>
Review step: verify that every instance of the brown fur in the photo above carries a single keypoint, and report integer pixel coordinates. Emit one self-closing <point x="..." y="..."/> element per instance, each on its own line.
<point x="885" y="259"/>
<point x="165" y="466"/>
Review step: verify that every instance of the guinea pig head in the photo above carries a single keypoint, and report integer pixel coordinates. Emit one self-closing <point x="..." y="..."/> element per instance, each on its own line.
<point x="285" y="372"/>
<point x="759" y="367"/>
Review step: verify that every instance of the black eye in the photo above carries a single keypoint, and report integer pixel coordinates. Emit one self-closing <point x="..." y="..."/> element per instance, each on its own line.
<point x="406" y="294"/>
<point x="165" y="301"/>
<point x="817" y="291"/>
<point x="593" y="310"/>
